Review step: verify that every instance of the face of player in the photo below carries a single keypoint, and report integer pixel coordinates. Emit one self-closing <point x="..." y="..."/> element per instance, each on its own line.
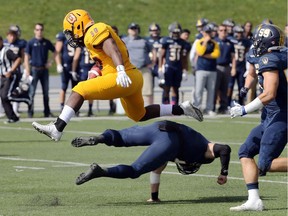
<point x="11" y="38"/>
<point x="154" y="33"/>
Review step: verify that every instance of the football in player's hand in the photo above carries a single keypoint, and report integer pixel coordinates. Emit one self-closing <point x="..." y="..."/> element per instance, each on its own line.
<point x="94" y="72"/>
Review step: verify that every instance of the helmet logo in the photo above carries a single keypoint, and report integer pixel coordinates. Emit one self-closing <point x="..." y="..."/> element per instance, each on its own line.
<point x="71" y="18"/>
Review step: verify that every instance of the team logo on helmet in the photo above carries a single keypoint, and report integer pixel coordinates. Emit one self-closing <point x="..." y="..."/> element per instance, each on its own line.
<point x="71" y="18"/>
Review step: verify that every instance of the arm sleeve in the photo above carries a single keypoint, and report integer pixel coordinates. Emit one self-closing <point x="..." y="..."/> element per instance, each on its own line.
<point x="200" y="49"/>
<point x="223" y="151"/>
<point x="11" y="55"/>
<point x="216" y="52"/>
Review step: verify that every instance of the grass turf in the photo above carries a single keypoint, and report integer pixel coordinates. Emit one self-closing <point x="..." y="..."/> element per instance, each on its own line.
<point x="38" y="175"/>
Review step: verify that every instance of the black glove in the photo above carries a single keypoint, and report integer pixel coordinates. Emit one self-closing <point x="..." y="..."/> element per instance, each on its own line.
<point x="243" y="92"/>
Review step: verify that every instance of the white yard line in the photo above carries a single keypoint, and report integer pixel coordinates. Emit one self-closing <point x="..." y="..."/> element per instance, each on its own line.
<point x="73" y="164"/>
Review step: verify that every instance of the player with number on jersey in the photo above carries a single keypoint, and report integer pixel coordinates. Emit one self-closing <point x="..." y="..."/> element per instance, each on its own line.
<point x="269" y="138"/>
<point x="120" y="78"/>
<point x="65" y="54"/>
<point x="173" y="62"/>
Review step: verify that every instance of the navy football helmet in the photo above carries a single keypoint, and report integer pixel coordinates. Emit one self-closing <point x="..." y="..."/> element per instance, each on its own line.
<point x="238" y="29"/>
<point x="154" y="30"/>
<point x="201" y="22"/>
<point x="266" y="38"/>
<point x="174" y="30"/>
<point x="154" y="27"/>
<point x="228" y="22"/>
<point x="208" y="28"/>
<point x="16" y="29"/>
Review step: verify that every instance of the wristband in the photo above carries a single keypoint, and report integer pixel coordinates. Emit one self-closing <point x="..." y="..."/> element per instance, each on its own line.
<point x="224" y="172"/>
<point x="120" y="68"/>
<point x="256" y="104"/>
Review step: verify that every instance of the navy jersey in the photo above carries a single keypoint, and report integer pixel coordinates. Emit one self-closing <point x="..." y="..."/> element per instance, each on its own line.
<point x="226" y="49"/>
<point x="85" y="63"/>
<point x="16" y="46"/>
<point x="154" y="43"/>
<point x="241" y="46"/>
<point x="275" y="61"/>
<point x="250" y="57"/>
<point x="174" y="49"/>
<point x="194" y="145"/>
<point x="67" y="52"/>
<point x="38" y="50"/>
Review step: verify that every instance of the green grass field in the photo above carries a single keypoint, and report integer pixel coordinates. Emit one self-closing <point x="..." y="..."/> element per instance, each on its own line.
<point x="38" y="175"/>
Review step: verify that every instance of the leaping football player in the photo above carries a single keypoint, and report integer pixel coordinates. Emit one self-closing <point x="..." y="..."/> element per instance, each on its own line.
<point x="120" y="78"/>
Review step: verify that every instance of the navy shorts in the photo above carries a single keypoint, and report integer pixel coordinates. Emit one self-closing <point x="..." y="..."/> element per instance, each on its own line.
<point x="268" y="140"/>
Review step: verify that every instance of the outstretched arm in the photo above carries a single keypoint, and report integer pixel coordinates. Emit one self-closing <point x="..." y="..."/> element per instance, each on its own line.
<point x="155" y="183"/>
<point x="222" y="151"/>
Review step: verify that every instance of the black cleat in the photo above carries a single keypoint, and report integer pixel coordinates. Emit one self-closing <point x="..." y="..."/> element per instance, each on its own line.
<point x="95" y="171"/>
<point x="84" y="141"/>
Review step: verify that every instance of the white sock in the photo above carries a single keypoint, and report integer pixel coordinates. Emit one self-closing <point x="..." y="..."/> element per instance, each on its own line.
<point x="15" y="106"/>
<point x="67" y="113"/>
<point x="165" y="109"/>
<point x="253" y="195"/>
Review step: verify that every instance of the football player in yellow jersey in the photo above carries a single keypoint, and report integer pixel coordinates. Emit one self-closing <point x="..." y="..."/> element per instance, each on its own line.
<point x="119" y="79"/>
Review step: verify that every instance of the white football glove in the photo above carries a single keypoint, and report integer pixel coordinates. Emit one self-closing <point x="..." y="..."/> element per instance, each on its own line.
<point x="237" y="110"/>
<point x="74" y="75"/>
<point x="122" y="78"/>
<point x="59" y="68"/>
<point x="184" y="75"/>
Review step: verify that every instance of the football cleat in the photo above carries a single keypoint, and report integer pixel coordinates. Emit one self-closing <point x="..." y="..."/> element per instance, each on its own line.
<point x="153" y="201"/>
<point x="84" y="141"/>
<point x="191" y="111"/>
<point x="249" y="206"/>
<point x="49" y="130"/>
<point x="95" y="171"/>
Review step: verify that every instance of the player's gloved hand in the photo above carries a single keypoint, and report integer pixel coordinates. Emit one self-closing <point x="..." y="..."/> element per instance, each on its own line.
<point x="237" y="110"/>
<point x="122" y="78"/>
<point x="74" y="75"/>
<point x="184" y="75"/>
<point x="243" y="92"/>
<point x="59" y="68"/>
<point x="221" y="179"/>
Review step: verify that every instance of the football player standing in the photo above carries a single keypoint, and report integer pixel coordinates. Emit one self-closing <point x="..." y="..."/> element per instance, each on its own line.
<point x="120" y="78"/>
<point x="173" y="62"/>
<point x="270" y="137"/>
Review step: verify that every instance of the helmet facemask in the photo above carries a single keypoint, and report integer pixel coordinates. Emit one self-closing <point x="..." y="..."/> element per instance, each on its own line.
<point x="73" y="39"/>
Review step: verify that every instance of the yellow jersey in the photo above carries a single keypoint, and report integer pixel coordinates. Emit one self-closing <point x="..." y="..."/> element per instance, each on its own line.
<point x="95" y="35"/>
